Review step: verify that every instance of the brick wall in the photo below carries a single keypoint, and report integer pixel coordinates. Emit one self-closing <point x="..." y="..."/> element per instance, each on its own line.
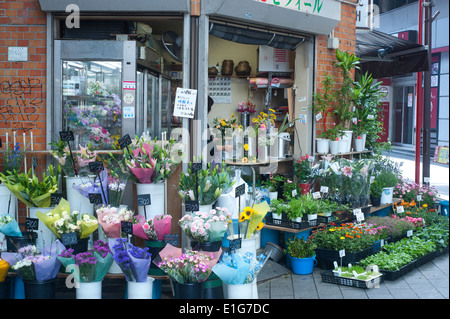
<point x="346" y="33"/>
<point x="23" y="84"/>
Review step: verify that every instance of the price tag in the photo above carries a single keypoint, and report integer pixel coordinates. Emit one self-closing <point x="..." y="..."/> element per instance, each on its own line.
<point x="96" y="167"/>
<point x="370" y="117"/>
<point x="196" y="167"/>
<point x="69" y="239"/>
<point x="419" y="198"/>
<point x="400" y="209"/>
<point x="375" y="268"/>
<point x="359" y="217"/>
<point x="34" y="162"/>
<point x="294" y="193"/>
<point x="32" y="223"/>
<point x="355" y="120"/>
<point x="357" y="211"/>
<point x="124" y="141"/>
<point x="372" y="179"/>
<point x="172" y="239"/>
<point x="409" y="233"/>
<point x="311" y="159"/>
<point x="316" y="195"/>
<point x="66" y="136"/>
<point x="324" y="189"/>
<point x="342" y="253"/>
<point x="355" y="273"/>
<point x="127" y="227"/>
<point x="335" y="264"/>
<point x="240" y="190"/>
<point x="235" y="244"/>
<point x="191" y="206"/>
<point x="143" y="200"/>
<point x="318" y="116"/>
<point x="95" y="198"/>
<point x="349" y="265"/>
<point x="55" y="198"/>
<point x="382" y="242"/>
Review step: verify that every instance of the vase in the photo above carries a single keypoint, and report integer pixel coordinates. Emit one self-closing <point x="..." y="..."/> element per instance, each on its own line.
<point x="245" y="119"/>
<point x="302" y="266"/>
<point x="5" y="288"/>
<point x="140" y="290"/>
<point x="238" y="291"/>
<point x="386" y="195"/>
<point x="251" y="142"/>
<point x="13" y="243"/>
<point x="263" y="153"/>
<point x="334" y="147"/>
<point x="188" y="291"/>
<point x="89" y="290"/>
<point x="45" y="235"/>
<point x="359" y="144"/>
<point x="342" y="146"/>
<point x="205" y="208"/>
<point x="304" y="188"/>
<point x="323" y="145"/>
<point x="40" y="289"/>
<point x="77" y="201"/>
<point x="348" y="138"/>
<point x="213" y="287"/>
<point x="157" y="204"/>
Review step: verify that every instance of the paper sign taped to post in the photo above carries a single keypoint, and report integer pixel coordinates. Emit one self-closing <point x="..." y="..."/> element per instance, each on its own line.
<point x="185" y="103"/>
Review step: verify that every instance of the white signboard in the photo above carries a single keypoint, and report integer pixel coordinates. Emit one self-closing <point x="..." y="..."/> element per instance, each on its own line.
<point x="17" y="53"/>
<point x="185" y="103"/>
<point x="325" y="8"/>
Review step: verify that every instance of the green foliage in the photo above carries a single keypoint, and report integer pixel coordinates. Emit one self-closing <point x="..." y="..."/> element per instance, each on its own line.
<point x="299" y="248"/>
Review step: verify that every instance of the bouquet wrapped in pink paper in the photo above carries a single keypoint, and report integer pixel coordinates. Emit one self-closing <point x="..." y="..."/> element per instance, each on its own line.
<point x="111" y="218"/>
<point x="140" y="161"/>
<point x="158" y="227"/>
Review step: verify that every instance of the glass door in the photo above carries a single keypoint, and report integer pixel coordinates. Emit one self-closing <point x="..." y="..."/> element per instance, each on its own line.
<point x="91" y="100"/>
<point x="404" y="108"/>
<point x="153" y="110"/>
<point x="166" y="106"/>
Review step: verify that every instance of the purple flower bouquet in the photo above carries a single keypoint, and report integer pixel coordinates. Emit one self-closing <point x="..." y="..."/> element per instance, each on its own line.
<point x="134" y="261"/>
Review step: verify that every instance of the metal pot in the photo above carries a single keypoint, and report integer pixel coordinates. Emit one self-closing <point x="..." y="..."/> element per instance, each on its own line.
<point x="284" y="140"/>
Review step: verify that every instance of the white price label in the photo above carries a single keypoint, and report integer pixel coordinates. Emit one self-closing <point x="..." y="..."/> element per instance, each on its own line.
<point x="294" y="193"/>
<point x="359" y="217"/>
<point x="335" y="264"/>
<point x="372" y="179"/>
<point x="318" y="116"/>
<point x="316" y="195"/>
<point x="419" y="198"/>
<point x="370" y="117"/>
<point x="409" y="233"/>
<point x="342" y="253"/>
<point x="311" y="159"/>
<point x="400" y="209"/>
<point x="324" y="189"/>
<point x="357" y="211"/>
<point x="382" y="242"/>
<point x="355" y="120"/>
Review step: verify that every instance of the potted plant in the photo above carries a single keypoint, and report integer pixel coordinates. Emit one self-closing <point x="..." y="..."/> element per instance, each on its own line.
<point x="295" y="210"/>
<point x="376" y="189"/>
<point x="271" y="184"/>
<point x="301" y="254"/>
<point x="278" y="207"/>
<point x="304" y="174"/>
<point x="333" y="134"/>
<point x="311" y="207"/>
<point x="388" y="180"/>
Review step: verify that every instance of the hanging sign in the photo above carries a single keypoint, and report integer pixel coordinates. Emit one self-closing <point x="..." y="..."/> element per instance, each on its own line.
<point x="185" y="100"/>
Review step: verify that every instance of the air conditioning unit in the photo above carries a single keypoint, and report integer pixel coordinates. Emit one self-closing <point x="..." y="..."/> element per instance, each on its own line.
<point x="273" y="60"/>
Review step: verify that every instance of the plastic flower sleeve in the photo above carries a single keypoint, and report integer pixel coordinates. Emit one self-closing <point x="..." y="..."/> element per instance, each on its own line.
<point x="163" y="224"/>
<point x="100" y="186"/>
<point x="4" y="268"/>
<point x="50" y="218"/>
<point x="140" y="262"/>
<point x="216" y="231"/>
<point x="9" y="226"/>
<point x="102" y="266"/>
<point x="260" y="211"/>
<point x="138" y="229"/>
<point x="232" y="269"/>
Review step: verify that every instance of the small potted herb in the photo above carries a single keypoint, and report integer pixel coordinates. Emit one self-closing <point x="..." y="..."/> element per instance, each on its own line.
<point x="301" y="254"/>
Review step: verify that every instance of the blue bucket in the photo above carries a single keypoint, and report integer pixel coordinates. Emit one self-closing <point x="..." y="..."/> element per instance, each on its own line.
<point x="444" y="207"/>
<point x="302" y="266"/>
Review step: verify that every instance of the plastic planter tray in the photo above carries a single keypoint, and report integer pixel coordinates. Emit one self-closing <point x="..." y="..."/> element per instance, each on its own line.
<point x="326" y="257"/>
<point x="392" y="275"/>
<point x="287" y="223"/>
<point x="330" y="277"/>
<point x="326" y="219"/>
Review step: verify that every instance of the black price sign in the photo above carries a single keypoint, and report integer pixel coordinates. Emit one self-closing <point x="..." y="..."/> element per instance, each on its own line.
<point x="95" y="198"/>
<point x="172" y="239"/>
<point x="124" y="141"/>
<point x="127" y="227"/>
<point x="240" y="190"/>
<point x="196" y="167"/>
<point x="143" y="200"/>
<point x="55" y="198"/>
<point x="69" y="239"/>
<point x="34" y="162"/>
<point x="96" y="167"/>
<point x="32" y="223"/>
<point x="235" y="244"/>
<point x="191" y="206"/>
<point x="66" y="136"/>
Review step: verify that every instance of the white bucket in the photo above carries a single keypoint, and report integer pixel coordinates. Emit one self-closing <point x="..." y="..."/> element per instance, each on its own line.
<point x="342" y="146"/>
<point x="348" y="138"/>
<point x="323" y="145"/>
<point x="240" y="291"/>
<point x="334" y="147"/>
<point x="115" y="268"/>
<point x="140" y="290"/>
<point x="386" y="195"/>
<point x="45" y="235"/>
<point x="7" y="200"/>
<point x="77" y="201"/>
<point x="89" y="290"/>
<point x="157" y="193"/>
<point x="205" y="208"/>
<point x="247" y="245"/>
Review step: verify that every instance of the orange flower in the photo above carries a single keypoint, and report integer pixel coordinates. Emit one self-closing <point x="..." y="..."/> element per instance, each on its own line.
<point x="357" y="236"/>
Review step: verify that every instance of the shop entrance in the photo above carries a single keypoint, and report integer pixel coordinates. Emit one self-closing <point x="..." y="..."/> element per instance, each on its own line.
<point x="404" y="109"/>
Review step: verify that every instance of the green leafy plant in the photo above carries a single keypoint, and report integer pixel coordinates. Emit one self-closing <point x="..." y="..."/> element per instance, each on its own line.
<point x="272" y="182"/>
<point x="278" y="206"/>
<point x="299" y="248"/>
<point x="12" y="159"/>
<point x="386" y="179"/>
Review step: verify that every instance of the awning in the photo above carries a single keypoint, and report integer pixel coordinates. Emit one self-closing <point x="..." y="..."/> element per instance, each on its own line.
<point x="255" y="37"/>
<point x="404" y="56"/>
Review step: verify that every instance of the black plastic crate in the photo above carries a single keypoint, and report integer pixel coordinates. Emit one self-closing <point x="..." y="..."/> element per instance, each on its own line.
<point x="424" y="259"/>
<point x="326" y="219"/>
<point x="329" y="277"/>
<point x="286" y="223"/>
<point x="393" y="275"/>
<point x="326" y="257"/>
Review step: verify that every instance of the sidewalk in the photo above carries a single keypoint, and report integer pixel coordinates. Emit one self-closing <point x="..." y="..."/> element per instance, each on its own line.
<point x="430" y="281"/>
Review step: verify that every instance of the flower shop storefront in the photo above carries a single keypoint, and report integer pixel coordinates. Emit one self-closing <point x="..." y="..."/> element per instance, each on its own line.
<point x="116" y="215"/>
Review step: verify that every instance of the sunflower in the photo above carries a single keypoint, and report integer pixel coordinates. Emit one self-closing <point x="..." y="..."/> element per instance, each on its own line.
<point x="260" y="226"/>
<point x="246" y="214"/>
<point x="272" y="110"/>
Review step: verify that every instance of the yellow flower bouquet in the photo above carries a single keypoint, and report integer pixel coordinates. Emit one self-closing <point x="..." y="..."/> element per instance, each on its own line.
<point x="251" y="219"/>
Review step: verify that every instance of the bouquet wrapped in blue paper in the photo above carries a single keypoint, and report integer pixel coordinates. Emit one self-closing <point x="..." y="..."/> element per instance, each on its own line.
<point x="32" y="265"/>
<point x="9" y="226"/>
<point x="236" y="268"/>
<point x="134" y="261"/>
<point x="99" y="186"/>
